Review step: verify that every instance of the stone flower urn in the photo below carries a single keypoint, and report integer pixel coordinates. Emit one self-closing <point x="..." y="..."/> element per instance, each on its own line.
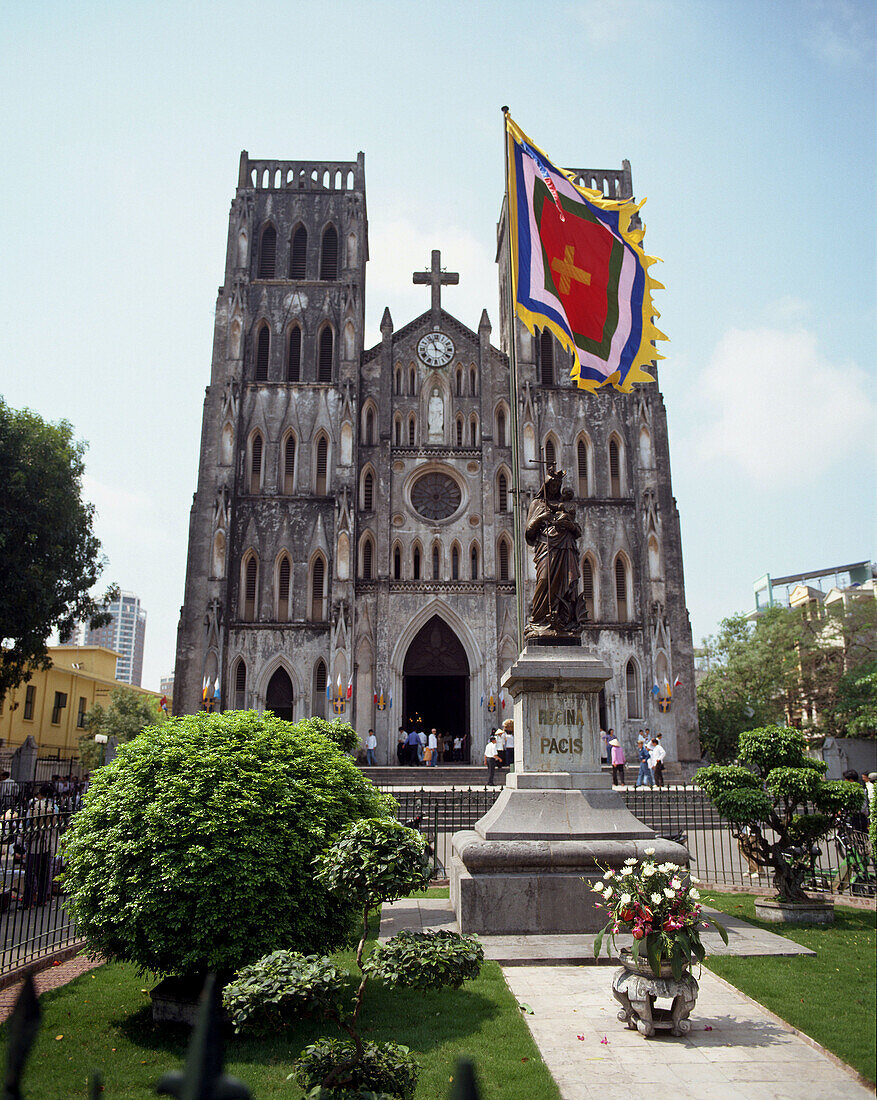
<point x="636" y="989"/>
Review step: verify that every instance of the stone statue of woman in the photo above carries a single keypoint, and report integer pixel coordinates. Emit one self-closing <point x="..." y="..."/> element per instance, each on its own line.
<point x="436" y="416"/>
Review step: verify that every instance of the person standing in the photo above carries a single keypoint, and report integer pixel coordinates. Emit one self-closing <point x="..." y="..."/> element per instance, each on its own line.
<point x="458" y="750"/>
<point x="508" y="727"/>
<point x="499" y="741"/>
<point x="604" y="747"/>
<point x="42" y="833"/>
<point x="371" y="743"/>
<point x="657" y="752"/>
<point x="432" y="746"/>
<point x="644" y="779"/>
<point x="401" y="747"/>
<point x="490" y="758"/>
<point x="617" y="762"/>
<point x="421" y="746"/>
<point x="412" y="743"/>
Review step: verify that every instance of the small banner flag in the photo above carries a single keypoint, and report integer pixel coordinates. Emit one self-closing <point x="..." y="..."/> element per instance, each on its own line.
<point x="677" y="682"/>
<point x="491" y="703"/>
<point x="391" y="701"/>
<point x="380" y="700"/>
<point x="350" y="688"/>
<point x="656" y="691"/>
<point x="579" y="270"/>
<point x="329" y="689"/>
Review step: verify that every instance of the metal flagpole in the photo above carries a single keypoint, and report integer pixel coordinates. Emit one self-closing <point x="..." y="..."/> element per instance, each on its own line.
<point x="513" y="402"/>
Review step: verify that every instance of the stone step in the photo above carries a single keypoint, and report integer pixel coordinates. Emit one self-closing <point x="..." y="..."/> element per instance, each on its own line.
<point x="443" y="775"/>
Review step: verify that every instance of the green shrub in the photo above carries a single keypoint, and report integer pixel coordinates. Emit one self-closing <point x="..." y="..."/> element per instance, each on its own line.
<point x="194" y="850"/>
<point x="343" y="734"/>
<point x="374" y="861"/>
<point x="383" y="1068"/>
<point x="717" y="778"/>
<point x="426" y="960"/>
<point x="284" y="985"/>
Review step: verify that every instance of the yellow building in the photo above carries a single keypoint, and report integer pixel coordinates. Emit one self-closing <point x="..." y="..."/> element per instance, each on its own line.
<point x="52" y="705"/>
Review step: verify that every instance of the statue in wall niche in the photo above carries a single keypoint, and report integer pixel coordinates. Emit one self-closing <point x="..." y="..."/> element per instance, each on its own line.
<point x="558" y="611"/>
<point x="436" y="416"/>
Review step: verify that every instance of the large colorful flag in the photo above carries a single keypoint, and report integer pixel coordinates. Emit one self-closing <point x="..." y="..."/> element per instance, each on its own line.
<point x="579" y="270"/>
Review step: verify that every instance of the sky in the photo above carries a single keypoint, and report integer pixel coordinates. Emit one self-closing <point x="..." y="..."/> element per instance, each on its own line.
<point x="749" y="128"/>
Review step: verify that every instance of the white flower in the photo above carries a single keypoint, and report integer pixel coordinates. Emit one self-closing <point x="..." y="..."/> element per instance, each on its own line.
<point x="608" y="892"/>
<point x="625" y="899"/>
<point x="666" y="868"/>
<point x="657" y="899"/>
<point x="669" y="893"/>
<point x="650" y="851"/>
<point x="676" y="883"/>
<point x="629" y="862"/>
<point x="692" y="893"/>
<point x="597" y="887"/>
<point x="649" y="869"/>
<point x="609" y="874"/>
<point x="626" y="871"/>
<point x="693" y="879"/>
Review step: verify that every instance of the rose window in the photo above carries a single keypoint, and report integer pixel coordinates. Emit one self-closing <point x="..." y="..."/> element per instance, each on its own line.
<point x="435" y="496"/>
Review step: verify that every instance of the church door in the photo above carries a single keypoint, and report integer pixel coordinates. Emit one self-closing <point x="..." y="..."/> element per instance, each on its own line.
<point x="436" y="683"/>
<point x="278" y="697"/>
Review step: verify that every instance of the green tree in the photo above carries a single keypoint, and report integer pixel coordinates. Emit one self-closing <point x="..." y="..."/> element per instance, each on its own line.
<point x="855" y="709"/>
<point x="129" y="712"/>
<point x="49" y="555"/>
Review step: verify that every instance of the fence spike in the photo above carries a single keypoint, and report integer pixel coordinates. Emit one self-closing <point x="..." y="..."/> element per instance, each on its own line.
<point x="465" y="1086"/>
<point x="24" y="1023"/>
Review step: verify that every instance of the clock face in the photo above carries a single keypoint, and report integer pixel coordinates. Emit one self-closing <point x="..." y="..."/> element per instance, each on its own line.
<point x="436" y="349"/>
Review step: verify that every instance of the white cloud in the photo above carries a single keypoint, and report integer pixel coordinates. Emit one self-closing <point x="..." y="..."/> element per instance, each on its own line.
<point x="609" y="21"/>
<point x="842" y="32"/>
<point x="780" y="410"/>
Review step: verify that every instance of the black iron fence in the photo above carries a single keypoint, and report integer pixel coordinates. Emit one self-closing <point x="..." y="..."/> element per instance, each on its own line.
<point x="842" y="863"/>
<point x="34" y="921"/>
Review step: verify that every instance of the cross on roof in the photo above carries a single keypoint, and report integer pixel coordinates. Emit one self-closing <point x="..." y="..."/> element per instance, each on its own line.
<point x="437" y="279"/>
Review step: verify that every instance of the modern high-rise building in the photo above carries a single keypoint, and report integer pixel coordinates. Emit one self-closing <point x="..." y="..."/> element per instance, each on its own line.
<point x="125" y="634"/>
<point x="353" y="520"/>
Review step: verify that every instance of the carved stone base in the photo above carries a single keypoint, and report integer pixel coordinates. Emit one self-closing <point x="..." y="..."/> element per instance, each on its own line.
<point x="636" y="993"/>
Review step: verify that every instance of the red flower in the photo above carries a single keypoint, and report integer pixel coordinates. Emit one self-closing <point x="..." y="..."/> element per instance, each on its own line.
<point x="638" y="932"/>
<point x="626" y="915"/>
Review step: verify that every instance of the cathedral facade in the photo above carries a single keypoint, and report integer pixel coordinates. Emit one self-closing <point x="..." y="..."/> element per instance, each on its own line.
<point x="351" y="537"/>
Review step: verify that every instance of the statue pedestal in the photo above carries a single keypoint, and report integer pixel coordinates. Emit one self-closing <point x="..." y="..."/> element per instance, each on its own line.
<point x="528" y="865"/>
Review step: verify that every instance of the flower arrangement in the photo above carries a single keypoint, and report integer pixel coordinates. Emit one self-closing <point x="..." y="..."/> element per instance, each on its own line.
<point x="659" y="905"/>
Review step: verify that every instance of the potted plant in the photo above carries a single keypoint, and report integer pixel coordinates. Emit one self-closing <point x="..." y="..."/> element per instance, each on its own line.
<point x="782" y="807"/>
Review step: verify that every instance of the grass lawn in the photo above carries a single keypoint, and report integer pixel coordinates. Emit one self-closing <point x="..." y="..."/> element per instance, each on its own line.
<point x="830" y="997"/>
<point x="102" y="1020"/>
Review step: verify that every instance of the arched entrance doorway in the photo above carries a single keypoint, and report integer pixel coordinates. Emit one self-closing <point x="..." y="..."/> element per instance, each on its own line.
<point x="435" y="684"/>
<point x="278" y="697"/>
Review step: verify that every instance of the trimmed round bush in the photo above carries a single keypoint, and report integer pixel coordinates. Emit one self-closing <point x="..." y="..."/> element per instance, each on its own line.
<point x="194" y="850"/>
<point x="384" y="1068"/>
<point x="426" y="960"/>
<point x="283" y="986"/>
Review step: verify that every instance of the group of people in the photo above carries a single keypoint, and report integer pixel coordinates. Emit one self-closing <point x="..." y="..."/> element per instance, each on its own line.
<point x="32" y="819"/>
<point x="649" y="752"/>
<point x="499" y="752"/>
<point x="415" y="748"/>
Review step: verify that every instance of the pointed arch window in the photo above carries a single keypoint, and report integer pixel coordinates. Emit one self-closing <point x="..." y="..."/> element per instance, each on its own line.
<point x="633" y="692"/>
<point x="397" y="382"/>
<point x="289" y="465"/>
<point x="283" y="576"/>
<point x="411" y="430"/>
<point x="263" y="353"/>
<point x="240" y="685"/>
<point x="368" y="492"/>
<point x="546" y="358"/>
<point x="318" y="585"/>
<point x="329" y="254"/>
<point x="397" y="429"/>
<point x="503" y="560"/>
<point x="367" y="554"/>
<point x="582" y="461"/>
<point x="473" y="561"/>
<point x="293" y="355"/>
<point x="435" y="563"/>
<point x="298" y="254"/>
<point x="318" y="690"/>
<point x="321" y="479"/>
<point x="251" y="579"/>
<point x="502" y="493"/>
<point x="550" y="454"/>
<point x="614" y="468"/>
<point x="621" y="603"/>
<point x="415" y="563"/>
<point x="459" y="383"/>
<point x="473" y="431"/>
<point x="500" y="427"/>
<point x="370" y="427"/>
<point x="455" y="563"/>
<point x="268" y="253"/>
<point x="473" y="382"/>
<point x="588" y="588"/>
<point x="326" y="354"/>
<point x="459" y="431"/>
<point x="397" y="563"/>
<point x="255" y="478"/>
<point x="412" y="382"/>
<point x="654" y="558"/>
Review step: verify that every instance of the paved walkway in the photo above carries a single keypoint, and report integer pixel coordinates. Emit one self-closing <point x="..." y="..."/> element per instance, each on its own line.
<point x="44" y="980"/>
<point x="736" y="1050"/>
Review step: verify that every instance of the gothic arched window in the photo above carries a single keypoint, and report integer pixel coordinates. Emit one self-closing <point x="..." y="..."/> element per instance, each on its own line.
<point x="473" y="382"/>
<point x="588" y="588"/>
<point x="546" y="358"/>
<point x="397" y="563"/>
<point x="368" y="490"/>
<point x="326" y="354"/>
<point x="329" y="254"/>
<point x="322" y="455"/>
<point x="251" y="578"/>
<point x="240" y="685"/>
<point x="473" y="561"/>
<point x="435" y="563"/>
<point x="614" y="468"/>
<point x="298" y="254"/>
<point x="503" y="560"/>
<point x="283" y="576"/>
<point x="412" y="382"/>
<point x="318" y="690"/>
<point x="289" y="465"/>
<point x="632" y="686"/>
<point x="621" y="603"/>
<point x="318" y="586"/>
<point x="473" y="430"/>
<point x="550" y="454"/>
<point x="370" y="427"/>
<point x="268" y="253"/>
<point x="397" y="382"/>
<point x="255" y="478"/>
<point x="502" y="493"/>
<point x="293" y="355"/>
<point x="397" y="430"/>
<point x="367" y="554"/>
<point x="411" y="430"/>
<point x="415" y="563"/>
<point x="500" y="427"/>
<point x="582" y="457"/>
<point x="455" y="562"/>
<point x="459" y="431"/>
<point x="459" y="382"/>
<point x="263" y="352"/>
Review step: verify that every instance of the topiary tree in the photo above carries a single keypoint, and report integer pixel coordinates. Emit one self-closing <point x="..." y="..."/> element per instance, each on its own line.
<point x="372" y="861"/>
<point x="194" y="849"/>
<point x="780" y="797"/>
